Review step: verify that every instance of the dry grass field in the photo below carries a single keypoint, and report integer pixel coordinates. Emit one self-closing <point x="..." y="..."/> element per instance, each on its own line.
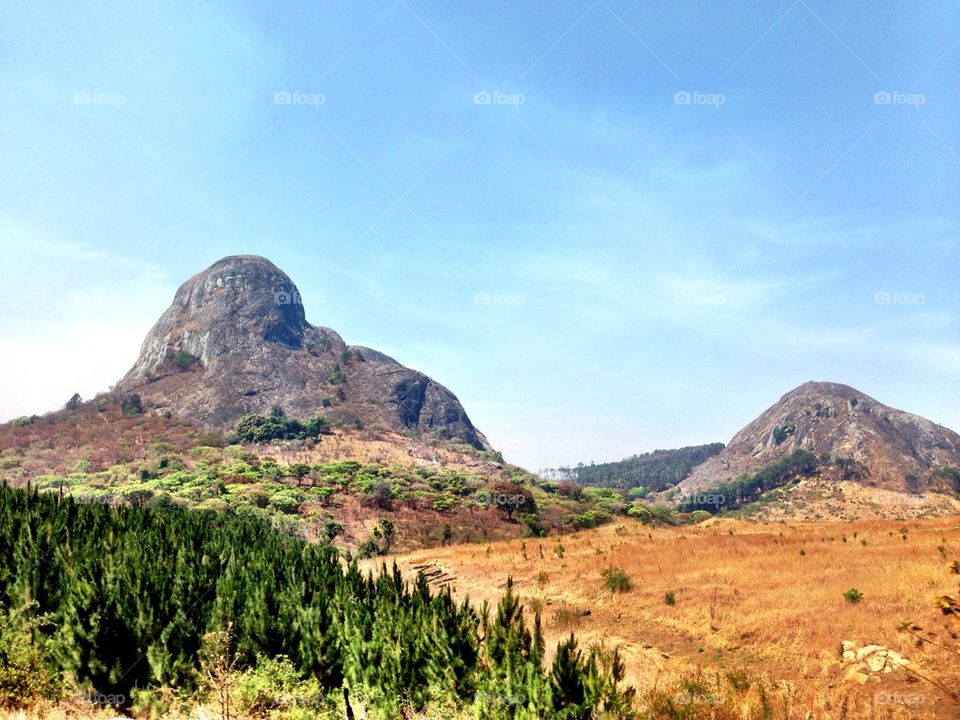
<point x="762" y="598"/>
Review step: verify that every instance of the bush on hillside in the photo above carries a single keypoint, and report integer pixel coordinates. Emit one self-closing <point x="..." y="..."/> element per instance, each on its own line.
<point x="616" y="580"/>
<point x="260" y="429"/>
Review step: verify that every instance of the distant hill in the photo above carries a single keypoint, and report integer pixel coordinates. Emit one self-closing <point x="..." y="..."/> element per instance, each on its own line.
<point x="653" y="471"/>
<point x="849" y="435"/>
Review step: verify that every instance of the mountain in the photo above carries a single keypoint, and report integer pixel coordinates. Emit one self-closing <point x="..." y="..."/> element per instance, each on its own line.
<point x="852" y="435"/>
<point x="235" y="341"/>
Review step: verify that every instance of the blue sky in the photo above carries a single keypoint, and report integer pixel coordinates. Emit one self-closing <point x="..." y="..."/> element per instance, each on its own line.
<point x="676" y="211"/>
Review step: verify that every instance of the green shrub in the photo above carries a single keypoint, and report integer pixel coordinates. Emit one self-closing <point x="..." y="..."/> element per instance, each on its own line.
<point x="641" y="512"/>
<point x="25" y="669"/>
<point x="378" y="493"/>
<point x="444" y="503"/>
<point x="45" y="482"/>
<point x="669" y="598"/>
<point x="853" y="596"/>
<point x="332" y="529"/>
<point x="337" y="377"/>
<point x="24" y="420"/>
<point x="367" y="549"/>
<point x="535" y="526"/>
<point x="288" y="500"/>
<point x="260" y="429"/>
<point x="616" y="580"/>
<point x="275" y="687"/>
<point x="324" y="493"/>
<point x="298" y="471"/>
<point x="131" y="405"/>
<point x="587" y="519"/>
<point x="184" y="360"/>
<point x="176" y="480"/>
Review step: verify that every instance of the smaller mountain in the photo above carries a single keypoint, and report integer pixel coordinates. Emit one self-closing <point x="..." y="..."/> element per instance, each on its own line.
<point x="861" y="439"/>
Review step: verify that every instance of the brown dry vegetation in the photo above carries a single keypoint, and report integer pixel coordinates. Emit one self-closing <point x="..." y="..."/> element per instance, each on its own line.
<point x="746" y="598"/>
<point x="828" y="498"/>
<point x="55" y="442"/>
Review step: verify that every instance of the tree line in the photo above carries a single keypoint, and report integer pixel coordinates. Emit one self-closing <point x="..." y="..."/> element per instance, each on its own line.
<point x="656" y="471"/>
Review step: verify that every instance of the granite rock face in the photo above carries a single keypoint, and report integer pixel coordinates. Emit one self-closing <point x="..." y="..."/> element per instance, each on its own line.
<point x="890" y="449"/>
<point x="235" y="340"/>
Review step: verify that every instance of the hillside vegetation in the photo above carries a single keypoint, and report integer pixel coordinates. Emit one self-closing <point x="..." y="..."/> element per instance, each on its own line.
<point x="301" y="476"/>
<point x="648" y="472"/>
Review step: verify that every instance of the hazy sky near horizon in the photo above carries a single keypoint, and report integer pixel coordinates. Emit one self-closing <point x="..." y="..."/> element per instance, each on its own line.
<point x="607" y="226"/>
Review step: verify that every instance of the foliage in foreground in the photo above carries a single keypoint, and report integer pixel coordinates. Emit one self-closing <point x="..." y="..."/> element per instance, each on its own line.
<point x="132" y="596"/>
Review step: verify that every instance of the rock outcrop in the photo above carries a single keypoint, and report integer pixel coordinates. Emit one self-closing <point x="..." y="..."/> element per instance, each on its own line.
<point x="875" y="445"/>
<point x="236" y="340"/>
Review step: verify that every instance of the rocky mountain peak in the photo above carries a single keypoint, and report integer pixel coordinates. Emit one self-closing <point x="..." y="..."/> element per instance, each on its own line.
<point x="233" y="306"/>
<point x="891" y="448"/>
<point x="235" y="340"/>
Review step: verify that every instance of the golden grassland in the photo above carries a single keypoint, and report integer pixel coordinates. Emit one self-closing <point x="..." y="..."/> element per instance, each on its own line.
<point x="765" y="598"/>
